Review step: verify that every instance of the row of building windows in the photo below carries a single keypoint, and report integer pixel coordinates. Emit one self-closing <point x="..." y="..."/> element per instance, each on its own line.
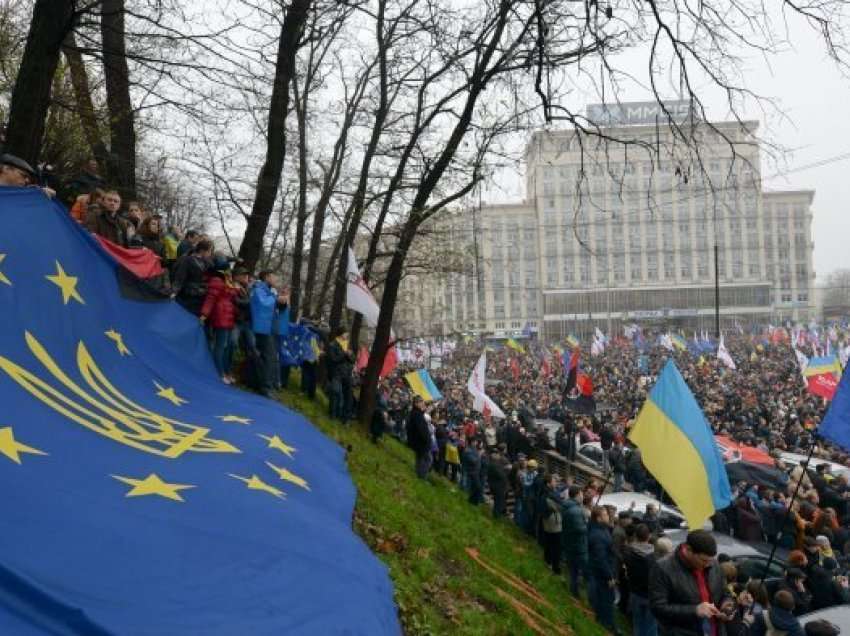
<point x="598" y="301"/>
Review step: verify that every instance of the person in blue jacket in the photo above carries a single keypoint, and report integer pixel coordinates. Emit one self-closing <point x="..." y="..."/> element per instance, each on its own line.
<point x="603" y="571"/>
<point x="269" y="313"/>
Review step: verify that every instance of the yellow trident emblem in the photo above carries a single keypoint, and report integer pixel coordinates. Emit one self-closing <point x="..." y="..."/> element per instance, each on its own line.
<point x="105" y="410"/>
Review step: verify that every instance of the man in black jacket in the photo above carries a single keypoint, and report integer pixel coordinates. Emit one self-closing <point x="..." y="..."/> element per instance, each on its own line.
<point x="497" y="477"/>
<point x="638" y="558"/>
<point x="602" y="568"/>
<point x="419" y="437"/>
<point x="686" y="587"/>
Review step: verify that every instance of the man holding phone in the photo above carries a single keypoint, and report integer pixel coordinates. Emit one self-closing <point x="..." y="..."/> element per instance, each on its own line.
<point x="685" y="589"/>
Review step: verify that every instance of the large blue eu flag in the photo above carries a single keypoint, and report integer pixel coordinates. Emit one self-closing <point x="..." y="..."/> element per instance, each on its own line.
<point x="140" y="495"/>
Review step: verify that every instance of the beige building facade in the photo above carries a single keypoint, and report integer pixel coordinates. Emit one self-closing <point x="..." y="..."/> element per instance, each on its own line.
<point x="611" y="233"/>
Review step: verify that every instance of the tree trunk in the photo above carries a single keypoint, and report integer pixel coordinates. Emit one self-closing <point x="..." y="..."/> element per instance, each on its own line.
<point x="419" y="213"/>
<point x="301" y="214"/>
<point x="51" y="21"/>
<point x="358" y="200"/>
<point x="268" y="182"/>
<point x="122" y="132"/>
<point x="385" y="319"/>
<point x="85" y="106"/>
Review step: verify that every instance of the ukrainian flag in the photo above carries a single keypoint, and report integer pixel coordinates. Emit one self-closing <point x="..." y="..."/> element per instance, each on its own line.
<point x="422" y="385"/>
<point x="572" y="341"/>
<point x="513" y="344"/>
<point x="679" y="342"/>
<point x="678" y="448"/>
<point x="823" y="364"/>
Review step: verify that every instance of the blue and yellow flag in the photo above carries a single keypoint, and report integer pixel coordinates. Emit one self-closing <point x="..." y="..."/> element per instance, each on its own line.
<point x="141" y="495"/>
<point x="513" y="344"/>
<point x="823" y="364"/>
<point x="678" y="448"/>
<point x="422" y="385"/>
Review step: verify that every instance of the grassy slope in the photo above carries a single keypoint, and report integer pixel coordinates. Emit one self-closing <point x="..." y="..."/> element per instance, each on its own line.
<point x="421" y="530"/>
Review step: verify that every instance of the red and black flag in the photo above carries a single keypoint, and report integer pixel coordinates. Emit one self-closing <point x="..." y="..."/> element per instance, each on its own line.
<point x="578" y="394"/>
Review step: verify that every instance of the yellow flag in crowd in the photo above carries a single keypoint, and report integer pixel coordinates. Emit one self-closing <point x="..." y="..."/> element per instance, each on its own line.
<point x="513" y="344"/>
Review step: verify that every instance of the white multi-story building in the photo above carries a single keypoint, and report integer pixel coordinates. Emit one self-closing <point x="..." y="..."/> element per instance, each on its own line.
<point x="610" y="233"/>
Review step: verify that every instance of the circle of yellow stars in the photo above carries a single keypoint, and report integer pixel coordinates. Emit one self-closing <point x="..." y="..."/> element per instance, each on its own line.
<point x="153" y="484"/>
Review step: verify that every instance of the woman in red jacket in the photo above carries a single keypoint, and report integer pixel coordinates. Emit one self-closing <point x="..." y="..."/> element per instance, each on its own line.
<point x="219" y="311"/>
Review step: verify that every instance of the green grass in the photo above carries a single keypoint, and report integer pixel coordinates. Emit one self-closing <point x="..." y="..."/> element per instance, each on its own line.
<point x="421" y="531"/>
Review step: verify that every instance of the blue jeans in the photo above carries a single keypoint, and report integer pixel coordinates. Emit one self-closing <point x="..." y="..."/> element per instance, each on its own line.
<point x="222" y="350"/>
<point x="643" y="622"/>
<point x="602" y="600"/>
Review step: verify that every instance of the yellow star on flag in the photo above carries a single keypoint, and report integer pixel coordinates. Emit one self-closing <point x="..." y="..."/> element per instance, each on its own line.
<point x="170" y="395"/>
<point x="153" y="485"/>
<point x="255" y="483"/>
<point x="11" y="448"/>
<point x="279" y="444"/>
<point x="3" y="278"/>
<point x="235" y="419"/>
<point x="68" y="285"/>
<point x="286" y="475"/>
<point x="118" y="339"/>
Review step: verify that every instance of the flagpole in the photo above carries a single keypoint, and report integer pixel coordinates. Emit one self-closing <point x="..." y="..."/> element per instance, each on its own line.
<point x="805" y="466"/>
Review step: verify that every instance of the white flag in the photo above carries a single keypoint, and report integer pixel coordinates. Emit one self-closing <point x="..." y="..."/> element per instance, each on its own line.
<point x="667" y="342"/>
<point x="723" y="355"/>
<point x="802" y="360"/>
<point x="481" y="402"/>
<point x="358" y="297"/>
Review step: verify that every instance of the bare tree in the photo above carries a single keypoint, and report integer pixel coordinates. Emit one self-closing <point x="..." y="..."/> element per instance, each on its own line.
<point x="51" y="21"/>
<point x="268" y="182"/>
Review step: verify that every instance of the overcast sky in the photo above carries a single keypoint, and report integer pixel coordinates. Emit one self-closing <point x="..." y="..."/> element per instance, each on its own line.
<point x="815" y="100"/>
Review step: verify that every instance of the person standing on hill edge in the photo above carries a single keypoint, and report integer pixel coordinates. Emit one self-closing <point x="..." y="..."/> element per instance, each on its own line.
<point x="419" y="437"/>
<point x="602" y="568"/>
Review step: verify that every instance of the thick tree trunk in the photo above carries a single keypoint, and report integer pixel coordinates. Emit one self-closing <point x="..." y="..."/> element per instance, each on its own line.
<point x="85" y="106"/>
<point x="116" y="73"/>
<point x="268" y="182"/>
<point x="51" y="21"/>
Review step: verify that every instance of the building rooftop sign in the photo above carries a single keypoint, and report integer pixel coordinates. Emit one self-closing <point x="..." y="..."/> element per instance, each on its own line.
<point x="637" y="113"/>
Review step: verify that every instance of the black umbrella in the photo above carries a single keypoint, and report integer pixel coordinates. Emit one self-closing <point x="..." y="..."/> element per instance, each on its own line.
<point x="757" y="474"/>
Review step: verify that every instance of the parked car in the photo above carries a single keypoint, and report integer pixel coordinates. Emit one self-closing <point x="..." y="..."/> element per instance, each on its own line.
<point x="669" y="517"/>
<point x="838" y="615"/>
<point x="590" y="454"/>
<point x="790" y="460"/>
<point x="750" y="558"/>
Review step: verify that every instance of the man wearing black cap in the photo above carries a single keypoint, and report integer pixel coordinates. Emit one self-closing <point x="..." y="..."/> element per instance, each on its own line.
<point x="686" y="587"/>
<point x="15" y="172"/>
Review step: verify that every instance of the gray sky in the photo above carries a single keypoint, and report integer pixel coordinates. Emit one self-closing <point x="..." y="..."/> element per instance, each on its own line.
<point x="810" y="122"/>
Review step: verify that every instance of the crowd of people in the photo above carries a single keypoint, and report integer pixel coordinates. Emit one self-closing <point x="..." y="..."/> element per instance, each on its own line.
<point x="620" y="554"/>
<point x="621" y="558"/>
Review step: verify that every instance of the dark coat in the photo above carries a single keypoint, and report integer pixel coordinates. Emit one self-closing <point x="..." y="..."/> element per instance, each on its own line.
<point x="674" y="595"/>
<point x="749" y="523"/>
<point x="574" y="534"/>
<point x="497" y="476"/>
<point x="638" y="560"/>
<point x="600" y="548"/>
<point x="189" y="283"/>
<point x="418" y="435"/>
<point x="109" y="226"/>
<point x="780" y="619"/>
